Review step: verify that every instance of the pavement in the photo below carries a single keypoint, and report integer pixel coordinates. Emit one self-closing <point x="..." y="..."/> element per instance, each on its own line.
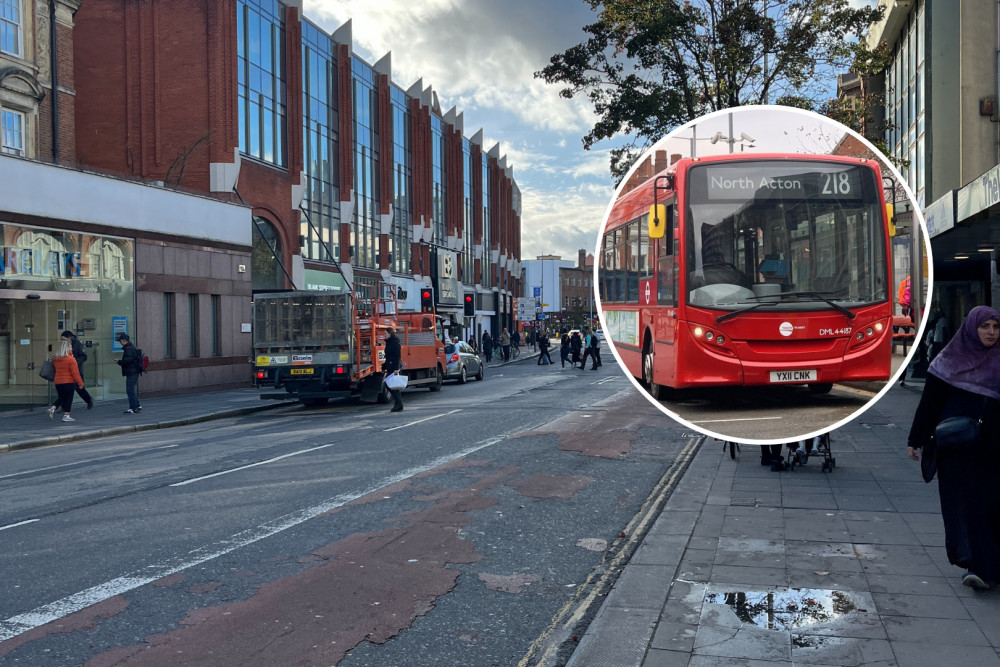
<point x="746" y="566"/>
<point x="741" y="565"/>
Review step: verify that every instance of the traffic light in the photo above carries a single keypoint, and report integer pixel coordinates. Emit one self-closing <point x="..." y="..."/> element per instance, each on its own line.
<point x="426" y="299"/>
<point x="470" y="305"/>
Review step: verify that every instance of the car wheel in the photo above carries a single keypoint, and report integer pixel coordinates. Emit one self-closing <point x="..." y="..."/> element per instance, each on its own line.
<point x="479" y="375"/>
<point x="463" y="376"/>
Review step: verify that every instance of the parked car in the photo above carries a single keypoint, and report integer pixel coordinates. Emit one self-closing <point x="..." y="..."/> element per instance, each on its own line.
<point x="463" y="363"/>
<point x="600" y="334"/>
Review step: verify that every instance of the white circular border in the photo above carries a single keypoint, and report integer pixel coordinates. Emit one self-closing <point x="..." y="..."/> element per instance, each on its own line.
<point x="885" y="164"/>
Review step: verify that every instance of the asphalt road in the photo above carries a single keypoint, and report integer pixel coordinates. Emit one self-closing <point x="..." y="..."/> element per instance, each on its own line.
<point x="462" y="530"/>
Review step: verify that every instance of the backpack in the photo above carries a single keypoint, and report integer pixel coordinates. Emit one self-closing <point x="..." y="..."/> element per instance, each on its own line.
<point x="143" y="361"/>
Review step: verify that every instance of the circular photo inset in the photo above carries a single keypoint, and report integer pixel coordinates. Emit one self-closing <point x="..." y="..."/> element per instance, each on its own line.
<point x="761" y="274"/>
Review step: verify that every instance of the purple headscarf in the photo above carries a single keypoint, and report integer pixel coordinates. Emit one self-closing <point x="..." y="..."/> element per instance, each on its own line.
<point x="968" y="364"/>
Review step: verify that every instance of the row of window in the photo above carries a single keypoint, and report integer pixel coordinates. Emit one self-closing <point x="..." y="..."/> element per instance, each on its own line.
<point x="171" y="334"/>
<point x="576" y="282"/>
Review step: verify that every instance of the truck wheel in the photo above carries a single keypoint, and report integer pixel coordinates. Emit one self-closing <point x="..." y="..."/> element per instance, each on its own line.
<point x="436" y="386"/>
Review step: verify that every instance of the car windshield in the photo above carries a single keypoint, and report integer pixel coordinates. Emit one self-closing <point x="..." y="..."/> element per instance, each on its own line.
<point x="801" y="234"/>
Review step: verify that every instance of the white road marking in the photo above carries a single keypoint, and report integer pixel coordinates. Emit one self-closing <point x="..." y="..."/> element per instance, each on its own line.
<point x="252" y="465"/>
<point x="21" y="623"/>
<point x="74" y="463"/>
<point x="425" y="419"/>
<point x="720" y="421"/>
<point x="19" y="523"/>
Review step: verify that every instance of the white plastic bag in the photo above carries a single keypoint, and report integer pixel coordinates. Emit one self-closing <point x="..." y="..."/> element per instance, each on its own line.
<point x="396" y="381"/>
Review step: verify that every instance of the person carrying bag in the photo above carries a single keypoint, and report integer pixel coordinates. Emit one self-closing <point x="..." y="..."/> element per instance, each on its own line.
<point x="955" y="435"/>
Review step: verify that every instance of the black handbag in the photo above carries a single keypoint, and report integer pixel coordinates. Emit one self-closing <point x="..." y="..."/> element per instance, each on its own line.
<point x="957" y="434"/>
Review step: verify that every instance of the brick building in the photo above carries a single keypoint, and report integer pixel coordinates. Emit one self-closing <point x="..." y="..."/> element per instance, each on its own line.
<point x="346" y="173"/>
<point x="99" y="255"/>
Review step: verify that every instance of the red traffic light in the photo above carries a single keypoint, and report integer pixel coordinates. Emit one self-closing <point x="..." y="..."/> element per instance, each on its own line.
<point x="426" y="295"/>
<point x="468" y="299"/>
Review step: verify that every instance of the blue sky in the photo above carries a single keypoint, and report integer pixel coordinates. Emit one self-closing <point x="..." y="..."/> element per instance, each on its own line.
<point x="480" y="56"/>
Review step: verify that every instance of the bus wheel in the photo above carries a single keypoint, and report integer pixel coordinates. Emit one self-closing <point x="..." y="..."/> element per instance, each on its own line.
<point x="820" y="388"/>
<point x="655" y="390"/>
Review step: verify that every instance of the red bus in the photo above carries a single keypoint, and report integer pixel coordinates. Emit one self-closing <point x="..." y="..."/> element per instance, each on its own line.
<point x="737" y="270"/>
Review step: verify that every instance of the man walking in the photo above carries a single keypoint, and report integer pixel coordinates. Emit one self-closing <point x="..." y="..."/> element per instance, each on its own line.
<point x="80" y="355"/>
<point x="505" y="344"/>
<point x="131" y="369"/>
<point x="392" y="364"/>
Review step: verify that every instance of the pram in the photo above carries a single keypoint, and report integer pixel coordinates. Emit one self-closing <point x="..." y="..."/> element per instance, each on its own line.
<point x="799" y="452"/>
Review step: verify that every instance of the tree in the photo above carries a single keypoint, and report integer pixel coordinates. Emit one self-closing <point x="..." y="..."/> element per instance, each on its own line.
<point x="650" y="66"/>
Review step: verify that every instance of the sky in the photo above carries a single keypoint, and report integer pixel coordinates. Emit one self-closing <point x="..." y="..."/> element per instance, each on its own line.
<point x="480" y="56"/>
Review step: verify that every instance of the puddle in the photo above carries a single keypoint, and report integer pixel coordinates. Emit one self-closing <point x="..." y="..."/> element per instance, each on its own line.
<point x="790" y="609"/>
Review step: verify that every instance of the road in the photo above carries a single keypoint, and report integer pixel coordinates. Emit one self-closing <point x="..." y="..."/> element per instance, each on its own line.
<point x="478" y="526"/>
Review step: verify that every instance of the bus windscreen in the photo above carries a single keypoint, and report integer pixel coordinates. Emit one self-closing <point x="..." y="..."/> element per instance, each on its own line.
<point x="796" y="235"/>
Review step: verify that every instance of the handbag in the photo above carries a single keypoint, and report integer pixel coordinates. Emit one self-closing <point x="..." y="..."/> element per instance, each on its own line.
<point x="48" y="371"/>
<point x="957" y="434"/>
<point x="395" y="381"/>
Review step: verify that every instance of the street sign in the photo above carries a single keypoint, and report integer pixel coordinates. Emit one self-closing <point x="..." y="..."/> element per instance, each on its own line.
<point x="538" y="291"/>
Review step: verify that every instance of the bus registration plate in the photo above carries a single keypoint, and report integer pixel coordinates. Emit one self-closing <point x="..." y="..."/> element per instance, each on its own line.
<point x="793" y="376"/>
<point x="302" y="371"/>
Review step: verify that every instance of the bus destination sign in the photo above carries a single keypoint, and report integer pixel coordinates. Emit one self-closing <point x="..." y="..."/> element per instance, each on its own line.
<point x="754" y="181"/>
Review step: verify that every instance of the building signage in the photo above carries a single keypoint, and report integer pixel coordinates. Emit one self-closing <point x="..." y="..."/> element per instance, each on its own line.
<point x="449" y="290"/>
<point x="940" y="216"/>
<point x="47" y="263"/>
<point x="979" y="195"/>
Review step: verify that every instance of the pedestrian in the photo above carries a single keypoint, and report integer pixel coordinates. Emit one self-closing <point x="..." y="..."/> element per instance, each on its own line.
<point x="131" y="364"/>
<point x="564" y="349"/>
<point x="80" y="355"/>
<point x="488" y="346"/>
<point x="505" y="344"/>
<point x="588" y="349"/>
<point x="964" y="381"/>
<point x="575" y="345"/>
<point x="393" y="364"/>
<point x="67" y="379"/>
<point x="770" y="455"/>
<point x="937" y="333"/>
<point x="595" y="350"/>
<point x="543" y="351"/>
<point x="472" y="343"/>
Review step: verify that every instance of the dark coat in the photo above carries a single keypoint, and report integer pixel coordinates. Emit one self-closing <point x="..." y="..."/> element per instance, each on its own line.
<point x="393" y="354"/>
<point x="130" y="362"/>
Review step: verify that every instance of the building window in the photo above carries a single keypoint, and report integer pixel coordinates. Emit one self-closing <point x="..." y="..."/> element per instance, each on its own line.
<point x="12" y="124"/>
<point x="265" y="270"/>
<point x="169" y="326"/>
<point x="261" y="79"/>
<point x="10" y="27"/>
<point x="193" y="325"/>
<point x="216" y="325"/>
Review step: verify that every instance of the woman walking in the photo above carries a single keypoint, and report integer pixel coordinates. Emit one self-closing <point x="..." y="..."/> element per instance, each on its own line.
<point x="67" y="380"/>
<point x="964" y="381"/>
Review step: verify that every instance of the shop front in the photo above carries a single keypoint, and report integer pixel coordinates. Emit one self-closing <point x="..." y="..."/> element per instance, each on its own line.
<point x="51" y="281"/>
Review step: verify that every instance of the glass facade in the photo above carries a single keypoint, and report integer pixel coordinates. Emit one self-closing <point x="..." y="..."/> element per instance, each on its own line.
<point x="265" y="271"/>
<point x="365" y="225"/>
<point x="11" y="22"/>
<point x="261" y="79"/>
<point x="467" y="209"/>
<point x="400" y="239"/>
<point x="487" y="232"/>
<point x="905" y="102"/>
<point x="438" y="189"/>
<point x="51" y="281"/>
<point x="320" y="142"/>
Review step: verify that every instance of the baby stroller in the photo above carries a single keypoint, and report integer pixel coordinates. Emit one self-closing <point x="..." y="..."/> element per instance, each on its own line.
<point x="800" y="452"/>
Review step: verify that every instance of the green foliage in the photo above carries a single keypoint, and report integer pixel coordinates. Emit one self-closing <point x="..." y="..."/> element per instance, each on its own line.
<point x="650" y="66"/>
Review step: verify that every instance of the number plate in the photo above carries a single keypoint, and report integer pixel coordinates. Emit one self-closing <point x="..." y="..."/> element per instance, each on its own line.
<point x="793" y="376"/>
<point x="302" y="371"/>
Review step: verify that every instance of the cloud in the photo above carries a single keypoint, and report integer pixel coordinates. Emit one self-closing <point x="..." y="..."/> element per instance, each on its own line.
<point x="478" y="55"/>
<point x="563" y="221"/>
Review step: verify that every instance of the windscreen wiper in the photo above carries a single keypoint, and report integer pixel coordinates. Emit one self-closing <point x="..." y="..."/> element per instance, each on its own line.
<point x="822" y="297"/>
<point x="779" y="296"/>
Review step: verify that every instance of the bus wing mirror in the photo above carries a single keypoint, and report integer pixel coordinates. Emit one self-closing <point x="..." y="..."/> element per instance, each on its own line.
<point x="889" y="213"/>
<point x="657" y="221"/>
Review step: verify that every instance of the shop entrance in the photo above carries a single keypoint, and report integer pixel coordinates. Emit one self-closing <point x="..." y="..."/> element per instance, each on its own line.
<point x="29" y="334"/>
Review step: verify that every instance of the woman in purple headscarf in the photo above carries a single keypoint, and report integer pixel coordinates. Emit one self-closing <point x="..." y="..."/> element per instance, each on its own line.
<point x="964" y="380"/>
